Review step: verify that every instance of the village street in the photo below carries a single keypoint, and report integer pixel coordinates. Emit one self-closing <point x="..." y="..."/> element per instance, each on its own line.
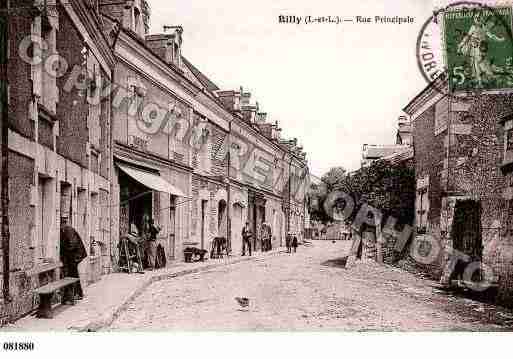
<point x="309" y="290"/>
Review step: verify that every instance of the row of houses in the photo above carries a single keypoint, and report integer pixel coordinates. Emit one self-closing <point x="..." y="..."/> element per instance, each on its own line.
<point x="108" y="123"/>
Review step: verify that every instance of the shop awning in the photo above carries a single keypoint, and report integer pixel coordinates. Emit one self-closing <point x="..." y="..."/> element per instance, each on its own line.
<point x="151" y="180"/>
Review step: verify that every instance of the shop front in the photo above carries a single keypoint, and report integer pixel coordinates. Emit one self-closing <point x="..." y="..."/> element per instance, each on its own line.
<point x="143" y="193"/>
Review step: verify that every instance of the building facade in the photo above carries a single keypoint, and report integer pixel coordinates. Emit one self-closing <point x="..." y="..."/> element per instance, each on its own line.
<point x="109" y="124"/>
<point x="463" y="190"/>
<point x="59" y="144"/>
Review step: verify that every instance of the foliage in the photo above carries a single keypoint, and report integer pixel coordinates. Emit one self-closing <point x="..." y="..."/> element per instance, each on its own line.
<point x="385" y="186"/>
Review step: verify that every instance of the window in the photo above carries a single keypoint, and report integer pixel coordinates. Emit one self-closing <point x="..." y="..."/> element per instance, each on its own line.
<point x="93" y="96"/>
<point x="48" y="85"/>
<point x="422" y="204"/>
<point x="205" y="150"/>
<point x="95" y="222"/>
<point x="508" y="142"/>
<point x="44" y="220"/>
<point x="441" y="115"/>
<point x="172" y="226"/>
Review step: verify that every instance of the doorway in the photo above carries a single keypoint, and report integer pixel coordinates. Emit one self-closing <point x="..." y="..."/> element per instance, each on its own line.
<point x="203" y="213"/>
<point x="466" y="233"/>
<point x="221" y="218"/>
<point x="172" y="227"/>
<point x="140" y="205"/>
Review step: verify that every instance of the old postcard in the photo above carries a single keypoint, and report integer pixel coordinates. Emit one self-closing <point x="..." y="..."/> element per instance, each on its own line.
<point x="242" y="166"/>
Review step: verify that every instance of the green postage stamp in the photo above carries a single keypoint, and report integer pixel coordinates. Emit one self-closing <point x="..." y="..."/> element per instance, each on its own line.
<point x="479" y="49"/>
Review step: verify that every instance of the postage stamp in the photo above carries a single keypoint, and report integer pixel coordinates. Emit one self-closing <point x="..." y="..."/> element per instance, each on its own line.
<point x="479" y="48"/>
<point x="468" y="47"/>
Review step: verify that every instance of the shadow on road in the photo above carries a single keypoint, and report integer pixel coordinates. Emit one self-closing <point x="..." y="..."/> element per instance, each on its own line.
<point x="487" y="297"/>
<point x="337" y="262"/>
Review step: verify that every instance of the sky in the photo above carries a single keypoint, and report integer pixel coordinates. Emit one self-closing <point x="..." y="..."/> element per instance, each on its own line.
<point x="334" y="87"/>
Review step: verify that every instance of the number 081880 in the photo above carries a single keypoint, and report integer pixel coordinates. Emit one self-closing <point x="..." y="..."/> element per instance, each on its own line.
<point x="18" y="346"/>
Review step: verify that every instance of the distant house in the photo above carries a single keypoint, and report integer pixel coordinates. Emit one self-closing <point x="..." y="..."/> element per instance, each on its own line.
<point x="404" y="143"/>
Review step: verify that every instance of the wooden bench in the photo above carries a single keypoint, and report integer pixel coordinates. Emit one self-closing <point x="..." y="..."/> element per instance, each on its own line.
<point x="46" y="292"/>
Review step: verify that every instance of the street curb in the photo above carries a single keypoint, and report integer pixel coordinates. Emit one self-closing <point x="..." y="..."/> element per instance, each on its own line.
<point x="109" y="318"/>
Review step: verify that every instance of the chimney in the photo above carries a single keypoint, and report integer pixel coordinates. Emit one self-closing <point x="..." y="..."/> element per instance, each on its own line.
<point x="134" y="15"/>
<point x="261" y="118"/>
<point x="404" y="134"/>
<point x="231" y="99"/>
<point x="402" y="121"/>
<point x="168" y="46"/>
<point x="275" y="131"/>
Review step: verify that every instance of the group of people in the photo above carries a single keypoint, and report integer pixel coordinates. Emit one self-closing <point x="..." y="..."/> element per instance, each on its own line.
<point x="266" y="239"/>
<point x="73" y="251"/>
<point x="144" y="243"/>
<point x="291" y="242"/>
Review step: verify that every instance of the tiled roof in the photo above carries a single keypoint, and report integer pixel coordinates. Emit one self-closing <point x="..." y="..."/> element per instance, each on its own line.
<point x="371" y="151"/>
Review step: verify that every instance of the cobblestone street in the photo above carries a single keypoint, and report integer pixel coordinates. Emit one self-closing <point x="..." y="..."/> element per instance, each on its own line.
<point x="309" y="290"/>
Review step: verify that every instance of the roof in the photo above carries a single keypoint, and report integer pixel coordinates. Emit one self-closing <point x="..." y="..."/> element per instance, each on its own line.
<point x="400" y="156"/>
<point x="430" y="90"/>
<point x="380" y="151"/>
<point x="205" y="81"/>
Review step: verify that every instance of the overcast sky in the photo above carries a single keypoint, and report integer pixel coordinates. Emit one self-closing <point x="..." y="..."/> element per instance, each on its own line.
<point x="334" y="87"/>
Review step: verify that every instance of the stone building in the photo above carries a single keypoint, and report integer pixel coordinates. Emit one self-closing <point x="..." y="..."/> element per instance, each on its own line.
<point x="59" y="143"/>
<point x="115" y="123"/>
<point x="151" y="164"/>
<point x="263" y="167"/>
<point x="175" y="122"/>
<point x="463" y="190"/>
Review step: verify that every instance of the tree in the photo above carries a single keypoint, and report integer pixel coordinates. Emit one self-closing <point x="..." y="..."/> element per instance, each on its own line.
<point x="385" y="186"/>
<point x="334" y="176"/>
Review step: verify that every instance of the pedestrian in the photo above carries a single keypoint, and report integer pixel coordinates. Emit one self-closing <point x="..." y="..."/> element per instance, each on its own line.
<point x="288" y="241"/>
<point x="266" y="236"/>
<point x="294" y="243"/>
<point x="246" y="239"/>
<point x="151" y="236"/>
<point x="72" y="252"/>
<point x="269" y="237"/>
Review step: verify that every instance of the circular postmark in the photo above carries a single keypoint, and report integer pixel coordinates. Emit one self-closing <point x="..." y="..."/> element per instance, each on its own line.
<point x="466" y="48"/>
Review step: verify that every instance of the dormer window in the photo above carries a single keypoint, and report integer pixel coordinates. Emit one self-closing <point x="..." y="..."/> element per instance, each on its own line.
<point x="137" y="21"/>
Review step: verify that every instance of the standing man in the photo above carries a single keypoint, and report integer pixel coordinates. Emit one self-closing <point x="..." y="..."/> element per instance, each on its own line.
<point x="294" y="243"/>
<point x="246" y="239"/>
<point x="269" y="237"/>
<point x="72" y="252"/>
<point x="263" y="236"/>
<point x="288" y="241"/>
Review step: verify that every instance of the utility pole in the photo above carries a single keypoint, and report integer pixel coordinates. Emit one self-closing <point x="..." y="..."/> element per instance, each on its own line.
<point x="4" y="195"/>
